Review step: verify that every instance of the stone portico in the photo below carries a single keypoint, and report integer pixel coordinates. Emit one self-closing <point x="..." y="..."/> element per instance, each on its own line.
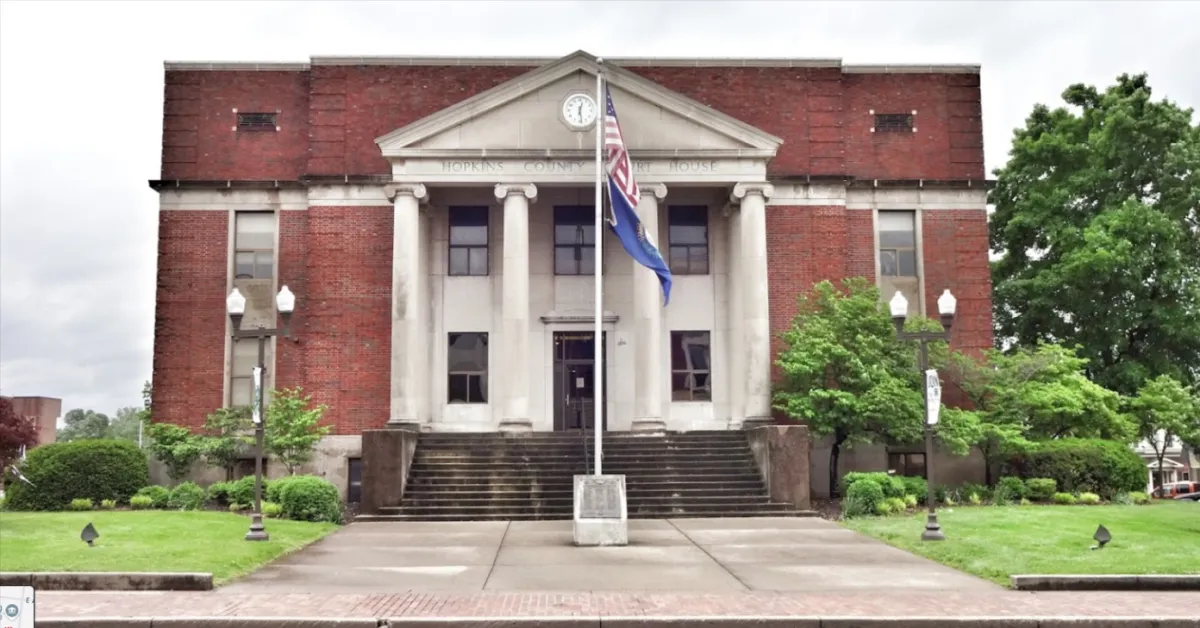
<point x="507" y="150"/>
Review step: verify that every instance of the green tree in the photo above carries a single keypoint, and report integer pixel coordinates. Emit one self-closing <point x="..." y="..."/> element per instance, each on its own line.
<point x="292" y="428"/>
<point x="18" y="433"/>
<point x="226" y="432"/>
<point x="847" y="376"/>
<point x="125" y="425"/>
<point x="1097" y="222"/>
<point x="83" y="424"/>
<point x="1163" y="411"/>
<point x="174" y="446"/>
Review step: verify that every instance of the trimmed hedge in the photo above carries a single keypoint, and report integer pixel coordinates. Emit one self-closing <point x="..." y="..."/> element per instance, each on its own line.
<point x="274" y="491"/>
<point x="892" y="485"/>
<point x="1041" y="489"/>
<point x="1010" y="489"/>
<point x="158" y="495"/>
<point x="1079" y="465"/>
<point x="310" y="498"/>
<point x="242" y="491"/>
<point x="82" y="469"/>
<point x="863" y="497"/>
<point x="186" y="496"/>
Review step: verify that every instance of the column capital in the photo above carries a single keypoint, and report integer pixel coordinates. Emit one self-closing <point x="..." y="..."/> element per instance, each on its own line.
<point x="657" y="190"/>
<point x="528" y="190"/>
<point x="415" y="190"/>
<point x="742" y="190"/>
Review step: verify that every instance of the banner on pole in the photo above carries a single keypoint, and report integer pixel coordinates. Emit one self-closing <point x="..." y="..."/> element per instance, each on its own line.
<point x="933" y="396"/>
<point x="256" y="406"/>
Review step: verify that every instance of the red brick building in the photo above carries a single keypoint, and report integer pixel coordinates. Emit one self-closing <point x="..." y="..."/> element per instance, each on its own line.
<point x="421" y="207"/>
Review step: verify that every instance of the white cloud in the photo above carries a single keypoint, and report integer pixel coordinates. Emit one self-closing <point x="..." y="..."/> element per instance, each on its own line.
<point x="81" y="113"/>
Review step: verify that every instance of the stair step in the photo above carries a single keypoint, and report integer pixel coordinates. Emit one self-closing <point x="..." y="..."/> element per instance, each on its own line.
<point x="564" y="452"/>
<point x="568" y="481"/>
<point x="568" y="488"/>
<point x="656" y="510"/>
<point x="571" y="467"/>
<point x="568" y="501"/>
<point x="502" y="516"/>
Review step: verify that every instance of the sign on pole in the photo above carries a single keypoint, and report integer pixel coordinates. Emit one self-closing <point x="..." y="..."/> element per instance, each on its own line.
<point x="256" y="406"/>
<point x="933" y="396"/>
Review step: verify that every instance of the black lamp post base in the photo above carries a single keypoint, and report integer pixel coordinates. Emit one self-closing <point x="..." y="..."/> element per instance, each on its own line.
<point x="257" y="531"/>
<point x="933" y="531"/>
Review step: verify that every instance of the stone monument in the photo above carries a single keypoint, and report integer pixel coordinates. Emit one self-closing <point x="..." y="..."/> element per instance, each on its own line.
<point x="601" y="516"/>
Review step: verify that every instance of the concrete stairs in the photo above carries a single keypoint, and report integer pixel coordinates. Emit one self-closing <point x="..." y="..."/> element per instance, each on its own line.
<point x="492" y="476"/>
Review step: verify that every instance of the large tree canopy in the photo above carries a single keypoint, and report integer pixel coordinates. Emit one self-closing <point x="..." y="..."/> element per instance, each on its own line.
<point x="1097" y="219"/>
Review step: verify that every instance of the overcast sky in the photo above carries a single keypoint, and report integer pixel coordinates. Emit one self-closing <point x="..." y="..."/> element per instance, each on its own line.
<point x="81" y="91"/>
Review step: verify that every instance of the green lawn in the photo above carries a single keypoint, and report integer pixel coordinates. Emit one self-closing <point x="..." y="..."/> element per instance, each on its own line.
<point x="995" y="542"/>
<point x="209" y="542"/>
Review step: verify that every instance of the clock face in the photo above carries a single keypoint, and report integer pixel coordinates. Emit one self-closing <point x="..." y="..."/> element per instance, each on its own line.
<point x="579" y="110"/>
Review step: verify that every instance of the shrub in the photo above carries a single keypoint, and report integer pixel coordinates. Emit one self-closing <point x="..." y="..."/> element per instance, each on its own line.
<point x="1090" y="499"/>
<point x="910" y="501"/>
<point x="310" y="498"/>
<point x="974" y="499"/>
<point x="159" y="495"/>
<point x="862" y="498"/>
<point x="236" y="507"/>
<point x="1040" y="489"/>
<point x="141" y="502"/>
<point x="1081" y="465"/>
<point x="82" y="503"/>
<point x="1025" y="501"/>
<point x="108" y="504"/>
<point x="942" y="494"/>
<point x="1009" y="489"/>
<point x="1065" y="499"/>
<point x="271" y="510"/>
<point x="917" y="487"/>
<point x="242" y="491"/>
<point x="1139" y="497"/>
<point x="891" y="485"/>
<point x="218" y="493"/>
<point x="949" y="501"/>
<point x="186" y="496"/>
<point x="274" y="491"/>
<point x="980" y="492"/>
<point x="896" y="504"/>
<point x="92" y="469"/>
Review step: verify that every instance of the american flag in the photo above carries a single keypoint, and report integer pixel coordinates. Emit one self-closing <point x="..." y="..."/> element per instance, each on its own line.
<point x="619" y="166"/>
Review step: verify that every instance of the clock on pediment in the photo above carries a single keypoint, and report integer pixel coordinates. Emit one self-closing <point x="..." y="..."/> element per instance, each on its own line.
<point x="579" y="111"/>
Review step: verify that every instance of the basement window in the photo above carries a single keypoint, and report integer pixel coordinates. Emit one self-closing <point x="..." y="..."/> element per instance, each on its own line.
<point x="256" y="122"/>
<point x="894" y="123"/>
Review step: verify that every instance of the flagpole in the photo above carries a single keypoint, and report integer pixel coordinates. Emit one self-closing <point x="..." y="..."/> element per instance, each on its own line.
<point x="598" y="340"/>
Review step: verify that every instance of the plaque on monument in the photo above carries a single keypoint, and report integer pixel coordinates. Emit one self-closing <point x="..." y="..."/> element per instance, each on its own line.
<point x="600" y="498"/>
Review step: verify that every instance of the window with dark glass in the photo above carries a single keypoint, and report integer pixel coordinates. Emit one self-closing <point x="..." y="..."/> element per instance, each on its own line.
<point x="354" y="481"/>
<point x="467" y="363"/>
<point x="691" y="368"/>
<point x="574" y="240"/>
<point x="907" y="464"/>
<point x="687" y="237"/>
<point x="468" y="240"/>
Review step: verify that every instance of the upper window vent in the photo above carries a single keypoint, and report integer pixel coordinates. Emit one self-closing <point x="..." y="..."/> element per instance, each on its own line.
<point x="256" y="121"/>
<point x="894" y="122"/>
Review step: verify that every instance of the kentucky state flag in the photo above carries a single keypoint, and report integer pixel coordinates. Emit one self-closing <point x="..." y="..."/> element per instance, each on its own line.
<point x="623" y="196"/>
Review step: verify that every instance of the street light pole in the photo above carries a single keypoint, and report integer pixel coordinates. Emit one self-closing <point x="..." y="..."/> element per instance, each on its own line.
<point x="235" y="305"/>
<point x="899" y="310"/>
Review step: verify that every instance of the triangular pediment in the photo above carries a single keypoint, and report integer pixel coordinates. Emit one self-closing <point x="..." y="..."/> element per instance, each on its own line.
<point x="522" y="115"/>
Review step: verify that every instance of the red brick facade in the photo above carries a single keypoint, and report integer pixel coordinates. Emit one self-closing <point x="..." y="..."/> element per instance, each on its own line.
<point x="338" y="259"/>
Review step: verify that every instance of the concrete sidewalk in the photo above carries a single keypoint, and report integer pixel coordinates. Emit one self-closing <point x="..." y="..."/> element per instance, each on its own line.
<point x="693" y="555"/>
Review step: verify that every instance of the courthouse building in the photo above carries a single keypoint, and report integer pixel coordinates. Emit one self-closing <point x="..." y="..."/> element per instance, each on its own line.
<point x="434" y="218"/>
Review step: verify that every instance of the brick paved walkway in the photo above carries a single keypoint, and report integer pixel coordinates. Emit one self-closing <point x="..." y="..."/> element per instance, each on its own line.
<point x="67" y="605"/>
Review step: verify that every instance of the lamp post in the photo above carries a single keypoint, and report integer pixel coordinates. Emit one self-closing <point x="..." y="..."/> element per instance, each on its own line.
<point x="899" y="308"/>
<point x="235" y="305"/>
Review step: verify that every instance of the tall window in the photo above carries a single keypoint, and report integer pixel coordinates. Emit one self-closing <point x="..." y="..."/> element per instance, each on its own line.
<point x="354" y="481"/>
<point x="687" y="236"/>
<point x="468" y="240"/>
<point x="574" y="240"/>
<point x="254" y="245"/>
<point x="467" y="363"/>
<point x="241" y="375"/>
<point x="898" y="257"/>
<point x="691" y="370"/>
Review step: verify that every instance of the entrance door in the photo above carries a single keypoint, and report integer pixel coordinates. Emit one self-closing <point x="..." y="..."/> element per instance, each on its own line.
<point x="574" y="381"/>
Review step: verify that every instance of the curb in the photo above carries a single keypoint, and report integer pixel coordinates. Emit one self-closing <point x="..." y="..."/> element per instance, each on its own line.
<point x="107" y="581"/>
<point x="626" y="622"/>
<point x="1105" y="583"/>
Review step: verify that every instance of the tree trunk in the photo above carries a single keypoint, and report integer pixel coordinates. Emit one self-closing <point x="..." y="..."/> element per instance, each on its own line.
<point x="986" y="450"/>
<point x="834" y="452"/>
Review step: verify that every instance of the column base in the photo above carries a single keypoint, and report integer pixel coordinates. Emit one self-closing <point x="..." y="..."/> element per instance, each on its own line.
<point x="752" y="422"/>
<point x="649" y="426"/>
<point x="515" y="426"/>
<point x="407" y="424"/>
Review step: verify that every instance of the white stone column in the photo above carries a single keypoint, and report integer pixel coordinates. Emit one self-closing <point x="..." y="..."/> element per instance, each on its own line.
<point x="648" y="366"/>
<point x="410" y="306"/>
<point x="514" y="357"/>
<point x="756" y="310"/>
<point x="735" y="348"/>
